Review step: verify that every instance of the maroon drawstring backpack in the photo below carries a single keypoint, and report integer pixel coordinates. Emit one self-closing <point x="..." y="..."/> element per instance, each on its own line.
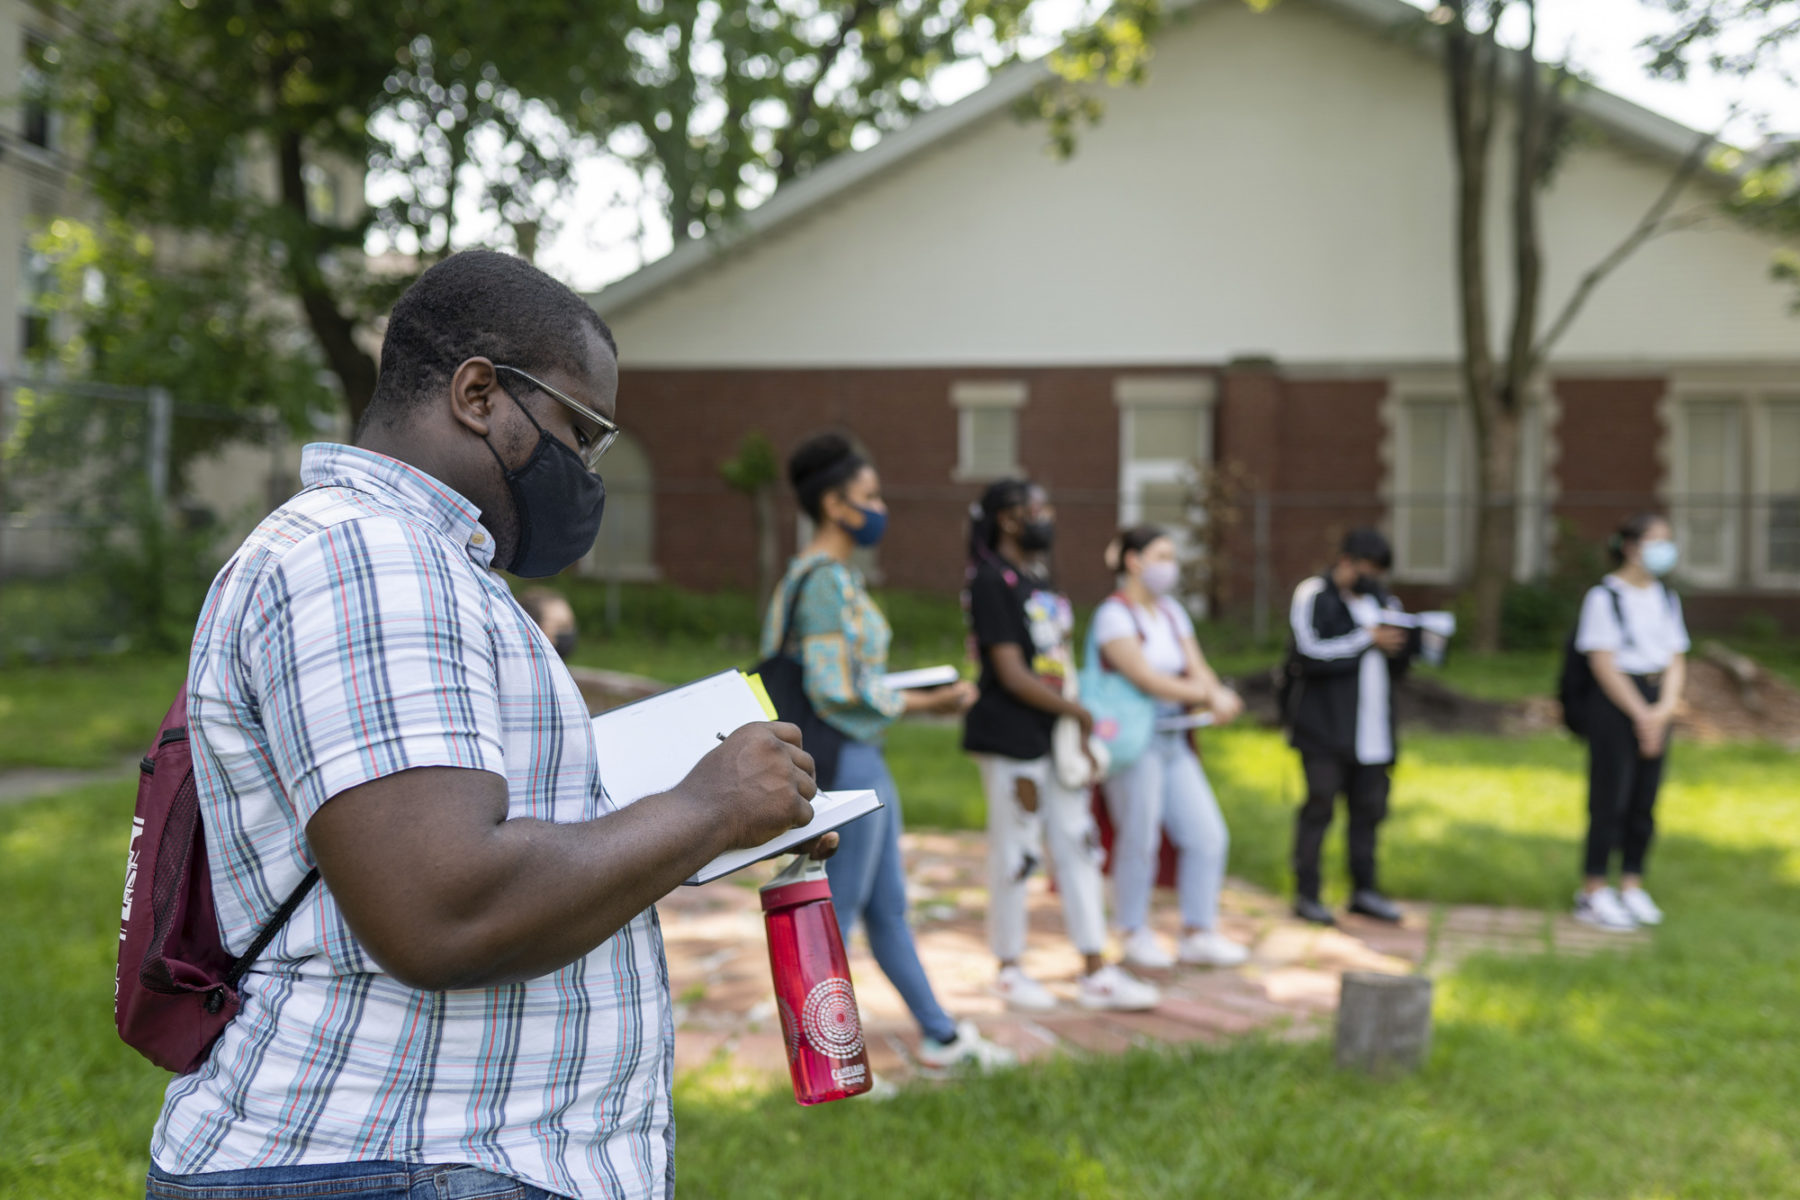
<point x="177" y="985"/>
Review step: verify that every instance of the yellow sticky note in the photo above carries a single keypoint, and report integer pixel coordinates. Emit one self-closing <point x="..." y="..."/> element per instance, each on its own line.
<point x="762" y="695"/>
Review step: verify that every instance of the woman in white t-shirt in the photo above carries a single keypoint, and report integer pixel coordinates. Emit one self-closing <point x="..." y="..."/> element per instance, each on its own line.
<point x="1147" y="637"/>
<point x="1636" y="643"/>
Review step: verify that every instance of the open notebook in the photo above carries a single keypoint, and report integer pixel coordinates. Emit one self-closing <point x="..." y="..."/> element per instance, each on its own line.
<point x="649" y="746"/>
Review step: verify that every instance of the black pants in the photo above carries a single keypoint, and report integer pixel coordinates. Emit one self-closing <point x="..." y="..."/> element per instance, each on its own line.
<point x="1365" y="788"/>
<point x="1622" y="786"/>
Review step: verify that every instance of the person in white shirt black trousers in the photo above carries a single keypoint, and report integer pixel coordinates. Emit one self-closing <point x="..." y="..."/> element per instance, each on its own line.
<point x="1636" y="642"/>
<point x="1336" y="702"/>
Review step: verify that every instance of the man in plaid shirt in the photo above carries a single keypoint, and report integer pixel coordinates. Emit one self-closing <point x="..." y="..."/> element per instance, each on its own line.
<point x="475" y="1002"/>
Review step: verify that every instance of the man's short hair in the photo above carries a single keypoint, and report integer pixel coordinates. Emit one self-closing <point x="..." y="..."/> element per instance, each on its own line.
<point x="479" y="303"/>
<point x="1368" y="544"/>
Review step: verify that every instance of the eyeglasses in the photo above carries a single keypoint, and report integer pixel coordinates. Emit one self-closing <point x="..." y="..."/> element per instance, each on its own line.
<point x="591" y="448"/>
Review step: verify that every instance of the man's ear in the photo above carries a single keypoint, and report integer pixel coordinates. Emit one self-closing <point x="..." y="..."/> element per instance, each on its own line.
<point x="474" y="392"/>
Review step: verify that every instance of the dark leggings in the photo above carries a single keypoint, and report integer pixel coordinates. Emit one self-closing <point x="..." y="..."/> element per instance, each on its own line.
<point x="1622" y="786"/>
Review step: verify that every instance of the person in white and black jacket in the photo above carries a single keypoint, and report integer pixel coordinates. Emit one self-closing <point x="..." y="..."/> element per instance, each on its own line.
<point x="1337" y="704"/>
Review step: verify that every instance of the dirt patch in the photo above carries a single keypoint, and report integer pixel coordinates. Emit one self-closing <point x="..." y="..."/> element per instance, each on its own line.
<point x="1728" y="697"/>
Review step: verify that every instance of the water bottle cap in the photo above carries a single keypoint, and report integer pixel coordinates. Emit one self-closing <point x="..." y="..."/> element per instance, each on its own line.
<point x="785" y="895"/>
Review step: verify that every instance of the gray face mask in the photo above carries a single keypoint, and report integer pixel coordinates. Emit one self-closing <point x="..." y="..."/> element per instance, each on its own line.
<point x="559" y="502"/>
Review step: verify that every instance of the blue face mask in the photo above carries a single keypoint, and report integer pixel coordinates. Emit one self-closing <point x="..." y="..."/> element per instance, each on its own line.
<point x="870" y="531"/>
<point x="1660" y="557"/>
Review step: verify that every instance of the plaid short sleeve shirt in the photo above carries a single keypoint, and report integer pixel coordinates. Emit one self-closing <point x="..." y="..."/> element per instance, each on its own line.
<point x="359" y="632"/>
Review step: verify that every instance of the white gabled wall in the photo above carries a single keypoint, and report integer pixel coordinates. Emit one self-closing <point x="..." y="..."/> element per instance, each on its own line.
<point x="1282" y="185"/>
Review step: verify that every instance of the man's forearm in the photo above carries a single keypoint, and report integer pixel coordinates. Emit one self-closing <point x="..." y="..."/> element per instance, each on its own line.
<point x="549" y="894"/>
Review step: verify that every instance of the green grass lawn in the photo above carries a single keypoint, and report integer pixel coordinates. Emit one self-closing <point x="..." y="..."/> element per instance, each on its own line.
<point x="1658" y="1073"/>
<point x="92" y="714"/>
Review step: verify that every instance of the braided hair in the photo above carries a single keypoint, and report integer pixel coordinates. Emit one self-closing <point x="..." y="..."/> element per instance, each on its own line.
<point x="984" y="518"/>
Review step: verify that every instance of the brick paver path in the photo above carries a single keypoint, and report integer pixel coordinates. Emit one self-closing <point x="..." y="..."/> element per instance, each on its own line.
<point x="725" y="1010"/>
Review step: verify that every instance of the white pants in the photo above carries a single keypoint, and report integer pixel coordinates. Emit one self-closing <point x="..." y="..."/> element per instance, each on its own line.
<point x="1067" y="823"/>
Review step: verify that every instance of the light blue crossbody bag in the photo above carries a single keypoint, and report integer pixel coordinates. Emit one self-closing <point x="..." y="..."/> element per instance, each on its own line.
<point x="1124" y="718"/>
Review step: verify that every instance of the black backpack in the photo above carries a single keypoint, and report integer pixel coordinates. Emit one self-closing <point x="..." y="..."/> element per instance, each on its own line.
<point x="1577" y="686"/>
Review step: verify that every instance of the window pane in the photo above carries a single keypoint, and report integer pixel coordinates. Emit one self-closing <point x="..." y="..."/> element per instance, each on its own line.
<point x="992" y="439"/>
<point x="1164" y="504"/>
<point x="1165" y="434"/>
<point x="1710" y="458"/>
<point x="1430" y="485"/>
<point x="1784" y="447"/>
<point x="1783" y="485"/>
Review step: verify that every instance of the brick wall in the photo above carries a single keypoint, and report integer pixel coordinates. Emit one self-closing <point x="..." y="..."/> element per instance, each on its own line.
<point x="1316" y="445"/>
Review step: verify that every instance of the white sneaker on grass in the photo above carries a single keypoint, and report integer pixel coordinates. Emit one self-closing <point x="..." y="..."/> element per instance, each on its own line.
<point x="968" y="1046"/>
<point x="1144" y="949"/>
<point x="1210" y="949"/>
<point x="1022" y="992"/>
<point x="1604" y="910"/>
<point x="1642" y="908"/>
<point x="1112" y="989"/>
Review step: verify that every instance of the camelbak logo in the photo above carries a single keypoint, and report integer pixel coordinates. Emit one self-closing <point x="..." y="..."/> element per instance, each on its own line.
<point x="131" y="870"/>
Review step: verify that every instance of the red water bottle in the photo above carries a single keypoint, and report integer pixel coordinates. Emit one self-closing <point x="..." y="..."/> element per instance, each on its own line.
<point x="819" y="1021"/>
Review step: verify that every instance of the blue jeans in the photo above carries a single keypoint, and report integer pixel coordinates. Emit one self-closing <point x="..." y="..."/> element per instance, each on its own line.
<point x="343" y="1181"/>
<point x="869" y="881"/>
<point x="1166" y="790"/>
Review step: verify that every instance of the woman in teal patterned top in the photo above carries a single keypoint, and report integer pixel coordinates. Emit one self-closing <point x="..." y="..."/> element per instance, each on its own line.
<point x="842" y="642"/>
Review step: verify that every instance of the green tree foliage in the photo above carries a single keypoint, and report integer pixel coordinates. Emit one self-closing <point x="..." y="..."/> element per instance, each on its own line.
<point x="1742" y="38"/>
<point x="228" y="119"/>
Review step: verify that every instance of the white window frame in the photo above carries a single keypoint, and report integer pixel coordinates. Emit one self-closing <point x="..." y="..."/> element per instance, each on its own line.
<point x="970" y="398"/>
<point x="1762" y="444"/>
<point x="1403" y="394"/>
<point x="1685" y="396"/>
<point x="1133" y="394"/>
<point x="1533" y="489"/>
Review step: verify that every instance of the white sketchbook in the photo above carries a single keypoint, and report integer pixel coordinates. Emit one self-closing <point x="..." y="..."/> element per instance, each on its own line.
<point x="924" y="677"/>
<point x="650" y="745"/>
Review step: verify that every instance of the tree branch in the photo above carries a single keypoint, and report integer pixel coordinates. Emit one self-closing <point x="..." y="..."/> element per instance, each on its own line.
<point x="336" y="332"/>
<point x="1529" y="159"/>
<point x="789" y="146"/>
<point x="1649" y="225"/>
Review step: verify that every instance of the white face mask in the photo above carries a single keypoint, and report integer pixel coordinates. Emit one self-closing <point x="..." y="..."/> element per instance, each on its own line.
<point x="1160" y="578"/>
<point x="1660" y="556"/>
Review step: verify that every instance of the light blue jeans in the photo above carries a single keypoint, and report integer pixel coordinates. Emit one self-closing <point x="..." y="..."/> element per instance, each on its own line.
<point x="1166" y="789"/>
<point x="344" y="1181"/>
<point x="868" y="881"/>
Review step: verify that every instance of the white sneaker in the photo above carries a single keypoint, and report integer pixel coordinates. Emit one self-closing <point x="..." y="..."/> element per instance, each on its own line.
<point x="1604" y="910"/>
<point x="1143" y="949"/>
<point x="1642" y="908"/>
<point x="1209" y="949"/>
<point x="880" y="1088"/>
<point x="1022" y="992"/>
<point x="1113" y="989"/>
<point x="967" y="1047"/>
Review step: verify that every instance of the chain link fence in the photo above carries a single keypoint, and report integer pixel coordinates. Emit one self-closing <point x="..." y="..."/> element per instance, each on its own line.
<point x="115" y="503"/>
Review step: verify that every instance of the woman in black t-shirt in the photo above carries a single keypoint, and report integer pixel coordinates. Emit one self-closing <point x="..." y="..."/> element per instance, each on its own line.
<point x="1021" y="629"/>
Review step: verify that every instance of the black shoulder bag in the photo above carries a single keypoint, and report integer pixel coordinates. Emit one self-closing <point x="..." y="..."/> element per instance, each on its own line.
<point x="784" y="678"/>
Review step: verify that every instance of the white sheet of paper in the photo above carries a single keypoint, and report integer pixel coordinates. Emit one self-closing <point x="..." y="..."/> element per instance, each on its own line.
<point x="924" y="677"/>
<point x="1184" y="721"/>
<point x="1441" y="623"/>
<point x="649" y="746"/>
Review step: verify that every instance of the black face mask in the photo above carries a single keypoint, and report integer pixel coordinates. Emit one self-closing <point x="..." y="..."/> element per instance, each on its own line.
<point x="559" y="502"/>
<point x="1037" y="536"/>
<point x="1365" y="585"/>
<point x="565" y="644"/>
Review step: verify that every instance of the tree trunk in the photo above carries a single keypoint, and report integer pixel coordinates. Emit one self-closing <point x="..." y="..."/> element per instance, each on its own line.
<point x="1496" y="516"/>
<point x="768" y="545"/>
<point x="336" y="332"/>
